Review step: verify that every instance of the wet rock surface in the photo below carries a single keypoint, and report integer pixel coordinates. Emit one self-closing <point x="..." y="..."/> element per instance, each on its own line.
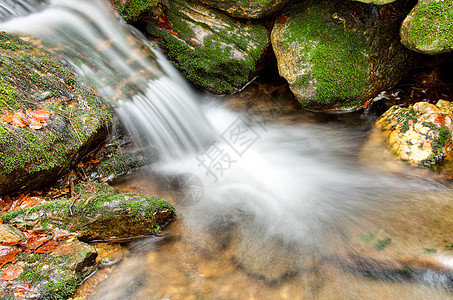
<point x="419" y="135"/>
<point x="429" y="26"/>
<point x="336" y="55"/>
<point x="247" y="9"/>
<point x="49" y="121"/>
<point x="213" y="50"/>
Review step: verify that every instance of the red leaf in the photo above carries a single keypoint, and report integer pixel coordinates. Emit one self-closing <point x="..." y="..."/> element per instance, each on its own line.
<point x="11" y="273"/>
<point x="24" y="290"/>
<point x="173" y="32"/>
<point x="52" y="246"/>
<point x="163" y="22"/>
<point x="282" y="19"/>
<point x="36" y="241"/>
<point x="439" y="121"/>
<point x="10" y="256"/>
<point x="29" y="202"/>
<point x="7" y="116"/>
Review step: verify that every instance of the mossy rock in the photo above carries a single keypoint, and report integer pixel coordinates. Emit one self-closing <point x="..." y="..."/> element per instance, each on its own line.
<point x="337" y="55"/>
<point x="131" y="10"/>
<point x="420" y="135"/>
<point x="247" y="9"/>
<point x="213" y="50"/>
<point x="50" y="275"/>
<point x="32" y="77"/>
<point x="379" y="2"/>
<point x="98" y="213"/>
<point x="428" y="28"/>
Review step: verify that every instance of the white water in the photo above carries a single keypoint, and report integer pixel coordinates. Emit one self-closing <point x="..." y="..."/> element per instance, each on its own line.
<point x="299" y="185"/>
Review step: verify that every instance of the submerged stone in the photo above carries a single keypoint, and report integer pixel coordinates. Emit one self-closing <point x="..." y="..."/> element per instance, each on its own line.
<point x="213" y="50"/>
<point x="33" y="79"/>
<point x="336" y="55"/>
<point x="97" y="212"/>
<point x="420" y="135"/>
<point x="247" y="9"/>
<point x="428" y="28"/>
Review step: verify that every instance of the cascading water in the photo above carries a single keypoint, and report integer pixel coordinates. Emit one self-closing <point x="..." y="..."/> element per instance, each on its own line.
<point x="272" y="190"/>
<point x="154" y="102"/>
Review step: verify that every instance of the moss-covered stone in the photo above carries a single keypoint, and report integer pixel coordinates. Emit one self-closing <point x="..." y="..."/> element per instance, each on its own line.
<point x="214" y="51"/>
<point x="51" y="275"/>
<point x="32" y="77"/>
<point x="336" y="55"/>
<point x="428" y="28"/>
<point x="420" y="135"/>
<point x="97" y="212"/>
<point x="131" y="10"/>
<point x="249" y="9"/>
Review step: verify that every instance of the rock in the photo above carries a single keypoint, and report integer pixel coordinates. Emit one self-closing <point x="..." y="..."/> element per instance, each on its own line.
<point x="428" y="28"/>
<point x="98" y="213"/>
<point x="213" y="50"/>
<point x="247" y="9"/>
<point x="419" y="135"/>
<point x="336" y="55"/>
<point x="32" y="79"/>
<point x="379" y="2"/>
<point x="131" y="10"/>
<point x="10" y="234"/>
<point x="49" y="275"/>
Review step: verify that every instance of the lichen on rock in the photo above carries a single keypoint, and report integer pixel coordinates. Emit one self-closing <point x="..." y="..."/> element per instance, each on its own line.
<point x="248" y="9"/>
<point x="420" y="135"/>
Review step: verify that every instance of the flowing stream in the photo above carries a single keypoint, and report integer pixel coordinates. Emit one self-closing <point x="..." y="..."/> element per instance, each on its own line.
<point x="268" y="209"/>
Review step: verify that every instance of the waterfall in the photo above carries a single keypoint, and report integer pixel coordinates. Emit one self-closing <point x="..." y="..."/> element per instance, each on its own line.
<point x="151" y="98"/>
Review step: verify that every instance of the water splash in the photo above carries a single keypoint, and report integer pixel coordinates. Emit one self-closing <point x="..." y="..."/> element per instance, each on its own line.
<point x="151" y="98"/>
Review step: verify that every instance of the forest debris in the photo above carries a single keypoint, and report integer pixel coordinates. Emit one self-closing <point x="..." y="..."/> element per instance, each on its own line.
<point x="34" y="119"/>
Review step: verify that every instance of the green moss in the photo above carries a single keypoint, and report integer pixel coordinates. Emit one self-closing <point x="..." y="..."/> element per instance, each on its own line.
<point x="439" y="137"/>
<point x="130" y="10"/>
<point x="213" y="64"/>
<point x="337" y="56"/>
<point x="63" y="289"/>
<point x="432" y="24"/>
<point x="381" y="244"/>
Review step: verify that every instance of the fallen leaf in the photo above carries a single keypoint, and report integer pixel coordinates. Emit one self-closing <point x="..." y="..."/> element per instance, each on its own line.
<point x="173" y="32"/>
<point x="35" y="125"/>
<point x="24" y="290"/>
<point x="11" y="273"/>
<point x="60" y="234"/>
<point x="282" y="19"/>
<point x="29" y="202"/>
<point x="163" y="22"/>
<point x="52" y="246"/>
<point x="18" y="119"/>
<point x="36" y="241"/>
<point x="7" y="117"/>
<point x="10" y="256"/>
<point x="41" y="115"/>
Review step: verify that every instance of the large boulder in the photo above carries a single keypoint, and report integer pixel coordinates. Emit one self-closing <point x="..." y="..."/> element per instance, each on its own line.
<point x="428" y="28"/>
<point x="97" y="212"/>
<point x="336" y="55"/>
<point x="213" y="50"/>
<point x="420" y="135"/>
<point x="247" y="9"/>
<point x="48" y="120"/>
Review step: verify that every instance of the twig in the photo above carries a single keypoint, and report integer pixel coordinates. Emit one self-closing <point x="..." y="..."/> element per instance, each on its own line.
<point x="73" y="202"/>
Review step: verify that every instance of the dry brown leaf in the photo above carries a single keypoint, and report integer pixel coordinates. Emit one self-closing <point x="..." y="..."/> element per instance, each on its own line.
<point x="11" y="273"/>
<point x="24" y="290"/>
